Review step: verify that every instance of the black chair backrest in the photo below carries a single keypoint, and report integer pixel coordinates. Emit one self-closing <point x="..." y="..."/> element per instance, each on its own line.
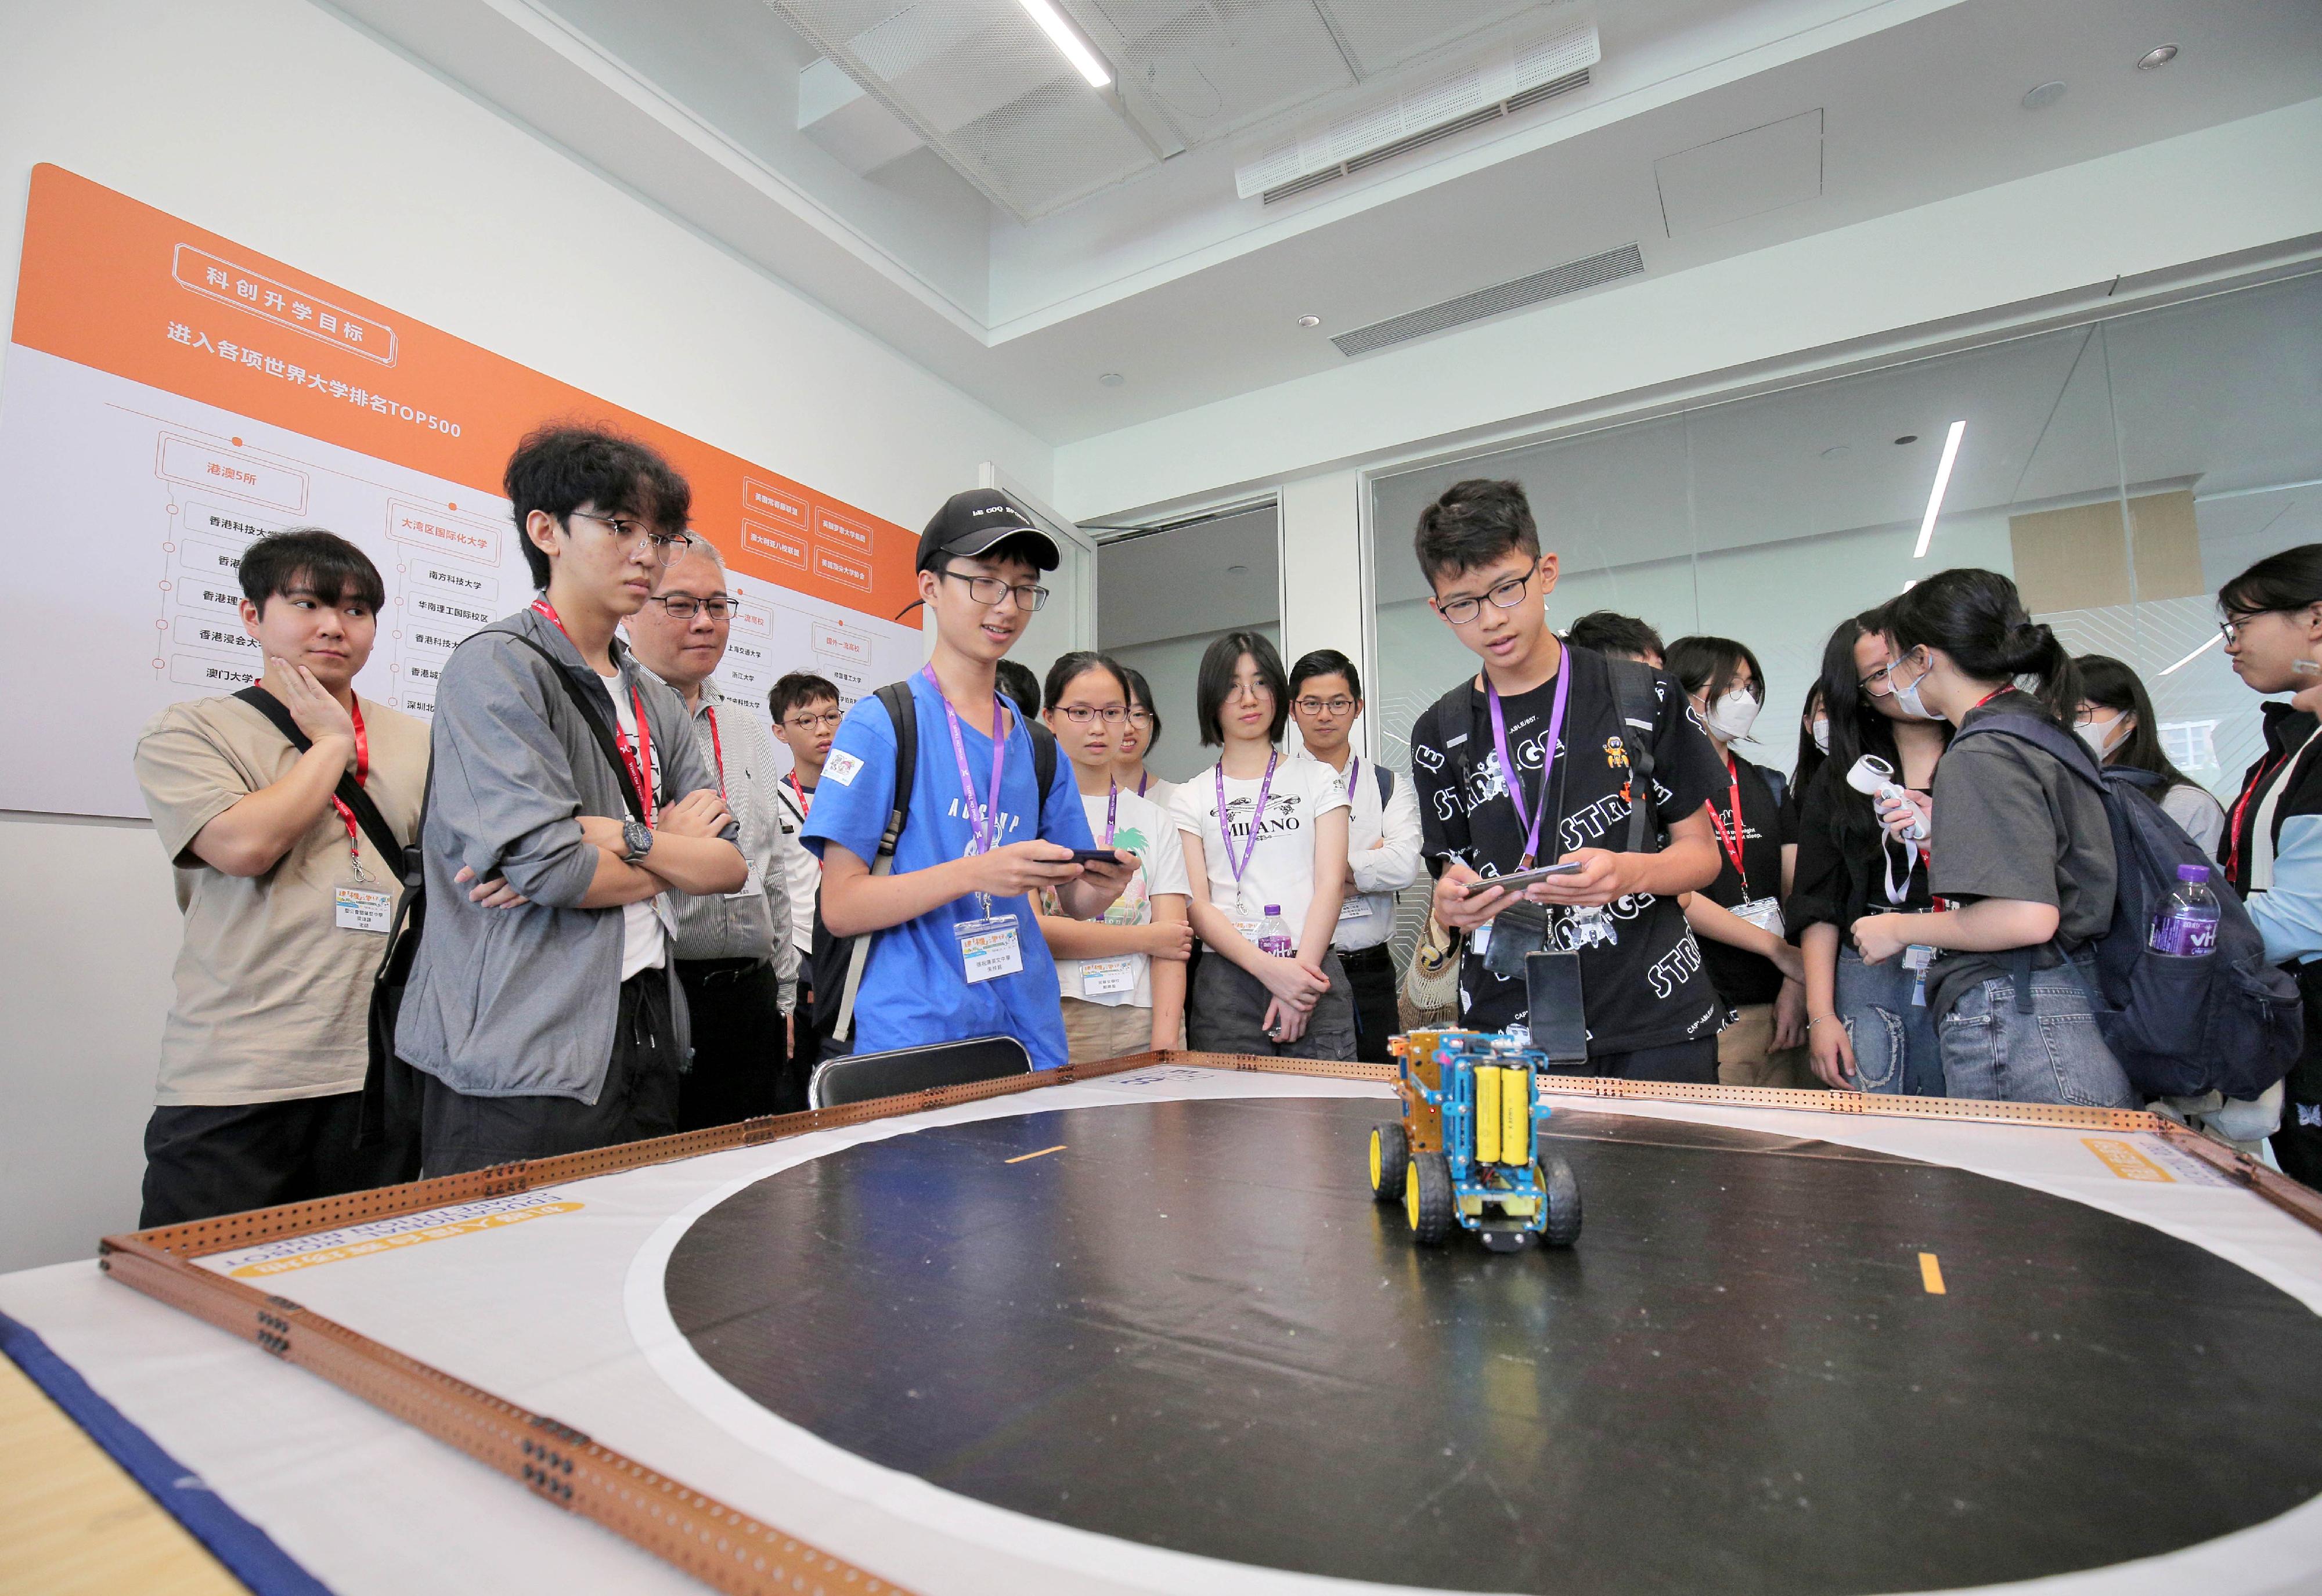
<point x="857" y="1078"/>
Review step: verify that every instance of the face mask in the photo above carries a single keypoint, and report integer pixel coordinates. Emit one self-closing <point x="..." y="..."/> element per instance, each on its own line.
<point x="1907" y="698"/>
<point x="2098" y="736"/>
<point x="1822" y="734"/>
<point x="1732" y="716"/>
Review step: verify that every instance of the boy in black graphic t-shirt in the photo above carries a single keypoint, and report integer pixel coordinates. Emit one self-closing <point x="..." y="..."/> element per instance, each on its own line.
<point x="1652" y="1013"/>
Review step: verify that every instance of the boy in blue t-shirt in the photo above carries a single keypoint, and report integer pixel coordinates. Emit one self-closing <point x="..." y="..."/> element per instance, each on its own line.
<point x="955" y="950"/>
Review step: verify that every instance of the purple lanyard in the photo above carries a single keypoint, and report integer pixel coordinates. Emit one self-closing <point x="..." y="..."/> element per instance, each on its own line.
<point x="1225" y="836"/>
<point x="1354" y="774"/>
<point x="1111" y="810"/>
<point x="1547" y="764"/>
<point x="984" y="819"/>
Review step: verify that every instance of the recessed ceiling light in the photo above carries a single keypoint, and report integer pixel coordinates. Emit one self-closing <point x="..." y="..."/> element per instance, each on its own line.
<point x="2160" y="56"/>
<point x="1310" y="321"/>
<point x="1836" y="451"/>
<point x="2042" y="95"/>
<point x="1908" y="438"/>
<point x="1111" y="378"/>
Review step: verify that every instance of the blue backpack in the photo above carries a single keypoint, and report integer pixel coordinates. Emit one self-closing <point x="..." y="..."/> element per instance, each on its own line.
<point x="2228" y="1022"/>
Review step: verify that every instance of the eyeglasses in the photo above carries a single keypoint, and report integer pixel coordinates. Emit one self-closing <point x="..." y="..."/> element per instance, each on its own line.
<point x="667" y="546"/>
<point x="1314" y="706"/>
<point x="810" y="719"/>
<point x="1878" y="684"/>
<point x="684" y="607"/>
<point x="1140" y="717"/>
<point x="1249" y="689"/>
<point x="1080" y="715"/>
<point x="989" y="591"/>
<point x="2232" y="627"/>
<point x="1460" y="611"/>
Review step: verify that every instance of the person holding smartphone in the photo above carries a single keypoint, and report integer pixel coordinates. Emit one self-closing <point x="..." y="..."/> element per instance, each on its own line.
<point x="1536" y="759"/>
<point x="1266" y="854"/>
<point x="1122" y="976"/>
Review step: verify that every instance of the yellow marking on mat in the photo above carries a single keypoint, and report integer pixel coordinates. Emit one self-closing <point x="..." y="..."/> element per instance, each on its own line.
<point x="2125" y="1161"/>
<point x="405" y="1239"/>
<point x="1043" y="1153"/>
<point x="1931" y="1274"/>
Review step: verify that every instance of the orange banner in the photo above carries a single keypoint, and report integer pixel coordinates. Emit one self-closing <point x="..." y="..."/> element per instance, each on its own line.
<point x="125" y="288"/>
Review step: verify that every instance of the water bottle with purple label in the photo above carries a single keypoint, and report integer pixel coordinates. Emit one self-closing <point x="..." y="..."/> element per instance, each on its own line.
<point x="1274" y="936"/>
<point x="2185" y="925"/>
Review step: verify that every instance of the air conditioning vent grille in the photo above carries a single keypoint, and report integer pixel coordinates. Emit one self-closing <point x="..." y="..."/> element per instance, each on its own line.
<point x="1556" y="282"/>
<point x="1370" y="158"/>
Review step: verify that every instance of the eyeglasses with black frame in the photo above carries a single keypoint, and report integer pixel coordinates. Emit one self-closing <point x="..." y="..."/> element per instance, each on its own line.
<point x="1310" y="705"/>
<point x="1508" y="595"/>
<point x="667" y="546"/>
<point x="684" y="607"/>
<point x="989" y="591"/>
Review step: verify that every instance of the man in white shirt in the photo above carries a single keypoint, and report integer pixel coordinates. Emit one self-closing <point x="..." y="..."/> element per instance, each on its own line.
<point x="807" y="713"/>
<point x="1382" y="841"/>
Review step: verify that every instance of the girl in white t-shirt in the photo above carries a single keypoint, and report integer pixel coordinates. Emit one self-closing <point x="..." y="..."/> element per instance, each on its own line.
<point x="1265" y="855"/>
<point x="1121" y="979"/>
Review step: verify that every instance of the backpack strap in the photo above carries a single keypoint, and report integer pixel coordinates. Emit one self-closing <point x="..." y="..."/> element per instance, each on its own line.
<point x="594" y="713"/>
<point x="1780" y="783"/>
<point x="1636" y="694"/>
<point x="2074" y="755"/>
<point x="895" y="697"/>
<point x="1044" y="763"/>
<point x="366" y="813"/>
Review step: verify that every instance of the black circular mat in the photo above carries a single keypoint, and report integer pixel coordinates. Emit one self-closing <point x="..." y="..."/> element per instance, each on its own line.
<point x="1192" y="1328"/>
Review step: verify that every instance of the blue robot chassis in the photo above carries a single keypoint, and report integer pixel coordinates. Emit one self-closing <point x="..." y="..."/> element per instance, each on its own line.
<point x="1466" y="1152"/>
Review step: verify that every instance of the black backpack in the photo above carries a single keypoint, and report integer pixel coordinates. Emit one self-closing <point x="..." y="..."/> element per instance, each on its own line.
<point x="834" y="967"/>
<point x="2231" y="1022"/>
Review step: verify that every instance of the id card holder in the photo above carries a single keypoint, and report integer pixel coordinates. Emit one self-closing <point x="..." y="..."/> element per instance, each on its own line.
<point x="988" y="948"/>
<point x="1918" y="959"/>
<point x="360" y="907"/>
<point x="1106" y="978"/>
<point x="1354" y="907"/>
<point x="1248" y="930"/>
<point x="1518" y="931"/>
<point x="1764" y="913"/>
<point x="750" y="885"/>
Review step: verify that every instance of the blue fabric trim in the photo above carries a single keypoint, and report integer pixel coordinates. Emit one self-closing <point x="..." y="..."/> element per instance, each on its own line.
<point x="248" y="1552"/>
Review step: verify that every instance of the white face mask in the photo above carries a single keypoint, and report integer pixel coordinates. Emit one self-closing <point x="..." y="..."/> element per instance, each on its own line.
<point x="1821" y="734"/>
<point x="2101" y="736"/>
<point x="1732" y="716"/>
<point x="1907" y="698"/>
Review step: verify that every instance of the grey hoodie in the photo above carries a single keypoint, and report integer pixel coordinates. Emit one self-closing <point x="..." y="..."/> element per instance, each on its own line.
<point x="522" y="1002"/>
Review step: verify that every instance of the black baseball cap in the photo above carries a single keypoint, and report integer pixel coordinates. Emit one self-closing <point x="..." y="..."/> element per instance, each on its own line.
<point x="973" y="524"/>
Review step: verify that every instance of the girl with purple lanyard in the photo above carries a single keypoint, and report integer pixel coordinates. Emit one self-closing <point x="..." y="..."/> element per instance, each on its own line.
<point x="1265" y="856"/>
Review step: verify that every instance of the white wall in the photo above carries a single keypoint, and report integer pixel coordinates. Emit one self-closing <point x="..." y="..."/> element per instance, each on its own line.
<point x="279" y="125"/>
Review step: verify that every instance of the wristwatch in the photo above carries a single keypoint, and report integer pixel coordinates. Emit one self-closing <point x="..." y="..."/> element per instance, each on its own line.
<point x="639" y="837"/>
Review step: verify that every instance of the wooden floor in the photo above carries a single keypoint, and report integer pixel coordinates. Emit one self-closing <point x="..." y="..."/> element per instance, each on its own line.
<point x="70" y="1520"/>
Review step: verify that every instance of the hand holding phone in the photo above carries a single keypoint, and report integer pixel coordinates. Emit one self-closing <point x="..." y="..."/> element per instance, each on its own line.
<point x="1522" y="878"/>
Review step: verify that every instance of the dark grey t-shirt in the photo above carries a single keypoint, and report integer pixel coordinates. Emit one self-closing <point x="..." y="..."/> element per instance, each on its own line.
<point x="2011" y="822"/>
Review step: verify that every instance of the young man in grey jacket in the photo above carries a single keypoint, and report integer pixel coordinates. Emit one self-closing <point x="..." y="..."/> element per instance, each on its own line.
<point x="547" y="1017"/>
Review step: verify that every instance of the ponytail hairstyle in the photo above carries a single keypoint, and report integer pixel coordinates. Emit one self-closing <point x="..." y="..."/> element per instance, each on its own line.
<point x="1977" y="618"/>
<point x="2105" y="680"/>
<point x="1856" y="729"/>
<point x="1070" y="668"/>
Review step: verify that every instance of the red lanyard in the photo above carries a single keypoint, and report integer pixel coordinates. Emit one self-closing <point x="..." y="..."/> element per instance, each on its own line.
<point x="1732" y="843"/>
<point x="1989" y="697"/>
<point x="716" y="747"/>
<point x="637" y="755"/>
<point x="805" y="803"/>
<point x="363" y="776"/>
<point x="2266" y="773"/>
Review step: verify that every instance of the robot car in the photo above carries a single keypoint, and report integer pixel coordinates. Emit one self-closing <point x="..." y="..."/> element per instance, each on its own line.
<point x="1467" y="1148"/>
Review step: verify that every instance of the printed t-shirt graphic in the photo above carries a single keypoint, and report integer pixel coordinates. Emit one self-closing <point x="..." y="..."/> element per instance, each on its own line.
<point x="1648" y="987"/>
<point x="1281" y="869"/>
<point x="915" y="987"/>
<point x="1764" y="828"/>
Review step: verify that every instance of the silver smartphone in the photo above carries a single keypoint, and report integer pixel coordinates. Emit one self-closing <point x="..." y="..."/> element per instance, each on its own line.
<point x="1523" y="878"/>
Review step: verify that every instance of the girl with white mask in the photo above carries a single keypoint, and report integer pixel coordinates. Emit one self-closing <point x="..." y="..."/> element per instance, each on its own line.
<point x="1738" y="918"/>
<point x="2115" y="721"/>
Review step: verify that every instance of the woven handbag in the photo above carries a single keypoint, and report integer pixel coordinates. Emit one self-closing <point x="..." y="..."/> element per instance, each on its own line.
<point x="1430" y="987"/>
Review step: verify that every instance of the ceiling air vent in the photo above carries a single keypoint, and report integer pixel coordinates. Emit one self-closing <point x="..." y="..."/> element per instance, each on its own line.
<point x="1501" y="82"/>
<point x="1552" y="284"/>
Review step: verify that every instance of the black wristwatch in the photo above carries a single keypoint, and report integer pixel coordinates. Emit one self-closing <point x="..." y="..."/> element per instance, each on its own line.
<point x="639" y="837"/>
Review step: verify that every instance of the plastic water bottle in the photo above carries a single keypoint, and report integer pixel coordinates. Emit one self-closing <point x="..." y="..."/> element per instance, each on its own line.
<point x="1274" y="936"/>
<point x="2185" y="925"/>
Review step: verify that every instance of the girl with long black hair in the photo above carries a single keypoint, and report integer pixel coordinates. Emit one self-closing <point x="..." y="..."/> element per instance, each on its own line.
<point x="1868" y="1025"/>
<point x="1136" y="739"/>
<point x="2021" y="857"/>
<point x="2272" y="847"/>
<point x="2115" y="721"/>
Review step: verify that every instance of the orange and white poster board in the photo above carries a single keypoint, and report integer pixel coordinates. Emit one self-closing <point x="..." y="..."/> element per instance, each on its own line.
<point x="170" y="396"/>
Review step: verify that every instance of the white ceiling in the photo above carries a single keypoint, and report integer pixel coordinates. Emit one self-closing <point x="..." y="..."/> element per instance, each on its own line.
<point x="1192" y="294"/>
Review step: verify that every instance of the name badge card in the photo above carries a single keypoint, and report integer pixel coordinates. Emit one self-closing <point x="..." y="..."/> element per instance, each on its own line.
<point x="988" y="948"/>
<point x="1764" y="913"/>
<point x="1354" y="907"/>
<point x="751" y="886"/>
<point x="1249" y="929"/>
<point x="1103" y="978"/>
<point x="361" y="909"/>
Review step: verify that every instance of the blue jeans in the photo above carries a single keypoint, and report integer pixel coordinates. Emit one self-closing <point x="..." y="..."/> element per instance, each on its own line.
<point x="2053" y="1055"/>
<point x="1892" y="1038"/>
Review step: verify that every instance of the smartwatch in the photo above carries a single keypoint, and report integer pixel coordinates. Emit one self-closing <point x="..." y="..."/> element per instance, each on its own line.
<point x="639" y="837"/>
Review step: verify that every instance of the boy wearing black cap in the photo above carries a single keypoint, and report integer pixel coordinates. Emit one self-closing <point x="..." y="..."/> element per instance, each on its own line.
<point x="956" y="951"/>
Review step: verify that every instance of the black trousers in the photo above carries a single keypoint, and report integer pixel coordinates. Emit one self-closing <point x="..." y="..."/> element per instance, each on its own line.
<point x="1370" y="971"/>
<point x="1693" y="1061"/>
<point x="202" y="1162"/>
<point x="459" y="1133"/>
<point x="740" y="1067"/>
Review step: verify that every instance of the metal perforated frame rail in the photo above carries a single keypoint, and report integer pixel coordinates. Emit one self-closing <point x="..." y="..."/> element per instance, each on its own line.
<point x="725" y="1549"/>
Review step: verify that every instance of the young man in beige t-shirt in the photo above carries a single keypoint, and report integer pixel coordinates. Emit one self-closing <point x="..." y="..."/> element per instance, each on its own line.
<point x="287" y="901"/>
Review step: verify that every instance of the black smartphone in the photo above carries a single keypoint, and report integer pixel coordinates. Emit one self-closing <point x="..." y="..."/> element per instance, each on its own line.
<point x="1091" y="856"/>
<point x="1558" y="1019"/>
<point x="1522" y="878"/>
